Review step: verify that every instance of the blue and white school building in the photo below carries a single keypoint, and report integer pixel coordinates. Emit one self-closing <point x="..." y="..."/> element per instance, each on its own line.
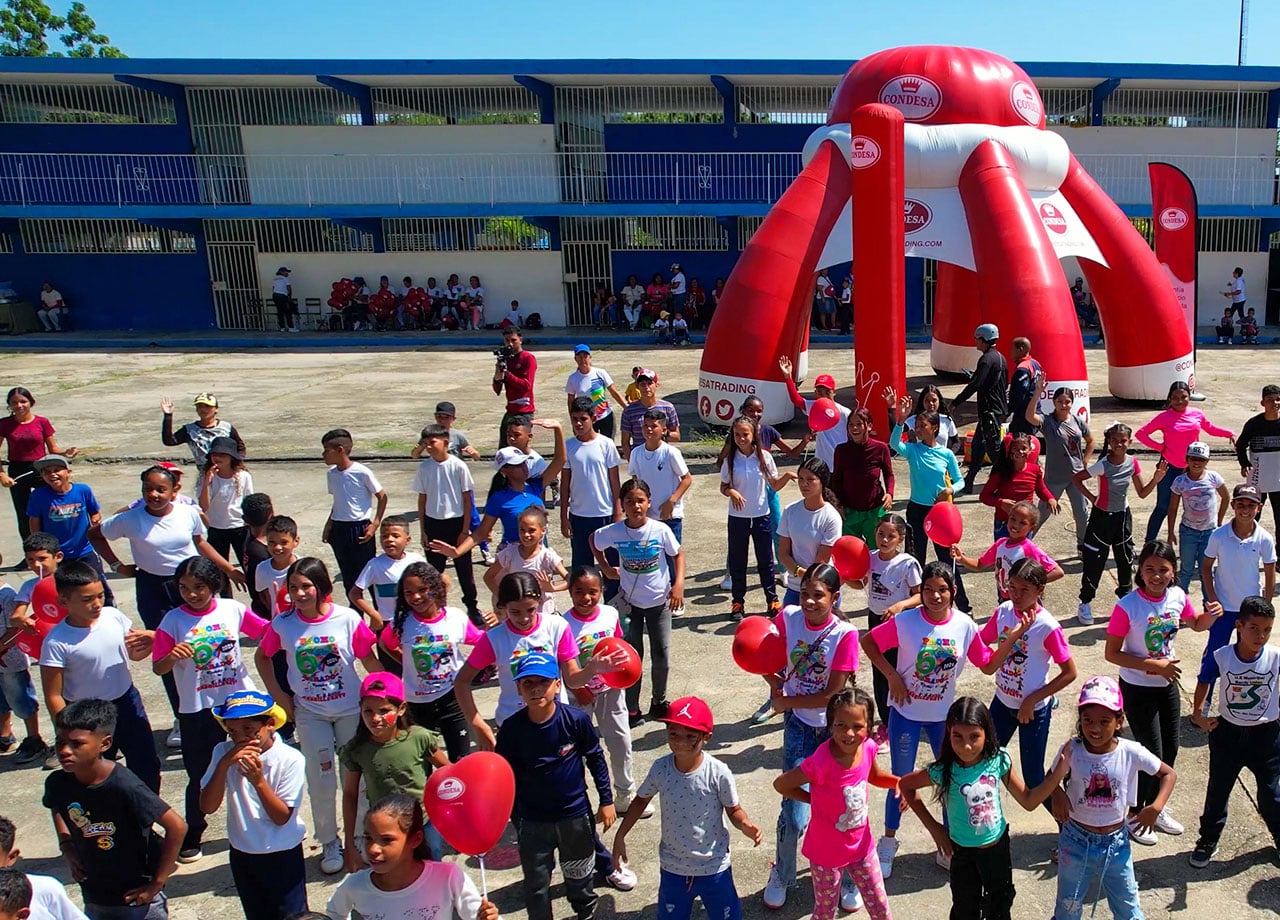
<point x="163" y="194"/>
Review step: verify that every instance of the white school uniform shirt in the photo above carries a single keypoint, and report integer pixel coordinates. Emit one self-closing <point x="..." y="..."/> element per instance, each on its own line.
<point x="322" y="658"/>
<point x="603" y="623"/>
<point x="544" y="560"/>
<point x="589" y="463"/>
<point x="475" y="293"/>
<point x="808" y="531"/>
<point x="642" y="559"/>
<point x="217" y="668"/>
<point x="504" y="646"/>
<point x="353" y="490"/>
<point x="930" y="658"/>
<point x="381" y="577"/>
<point x="159" y="543"/>
<point x="750" y="483"/>
<point x="249" y="827"/>
<point x="49" y="900"/>
<point x="280" y="284"/>
<point x="432" y="651"/>
<point x="1248" y="691"/>
<point x="443" y="483"/>
<point x="892" y="580"/>
<point x="663" y="469"/>
<point x="270" y="579"/>
<point x="1026" y="669"/>
<point x="812" y="654"/>
<point x="1103" y="787"/>
<point x="1149" y="626"/>
<point x="442" y="892"/>
<point x="94" y="660"/>
<point x="1236" y="573"/>
<point x="225" y="496"/>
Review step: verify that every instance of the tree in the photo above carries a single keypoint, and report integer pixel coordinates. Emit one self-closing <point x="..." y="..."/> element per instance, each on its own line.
<point x="26" y="27"/>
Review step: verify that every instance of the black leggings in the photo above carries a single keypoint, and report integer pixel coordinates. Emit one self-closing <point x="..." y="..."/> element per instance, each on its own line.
<point x="916" y="513"/>
<point x="444" y="716"/>
<point x="25" y="478"/>
<point x="224" y="540"/>
<point x="1153" y="714"/>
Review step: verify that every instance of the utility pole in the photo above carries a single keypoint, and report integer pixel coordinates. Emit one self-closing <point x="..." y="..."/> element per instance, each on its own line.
<point x="1242" y="47"/>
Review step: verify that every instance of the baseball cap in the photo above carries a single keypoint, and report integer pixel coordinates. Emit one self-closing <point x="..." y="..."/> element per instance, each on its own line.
<point x="690" y="712"/>
<point x="206" y="399"/>
<point x="580" y="348"/>
<point x="1244" y="490"/>
<point x="446" y="408"/>
<point x="1102" y="691"/>
<point x="538" y="664"/>
<point x="52" y="461"/>
<point x="510" y="456"/>
<point x="382" y="685"/>
<point x="171" y="467"/>
<point x="245" y="704"/>
<point x="825" y="380"/>
<point x="645" y="372"/>
<point x="1197" y="450"/>
<point x="282" y="270"/>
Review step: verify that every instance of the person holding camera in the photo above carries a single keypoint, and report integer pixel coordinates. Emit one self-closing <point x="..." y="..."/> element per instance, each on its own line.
<point x="282" y="298"/>
<point x="514" y="372"/>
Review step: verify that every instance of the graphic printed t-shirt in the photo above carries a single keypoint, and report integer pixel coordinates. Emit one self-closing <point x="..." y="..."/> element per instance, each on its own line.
<point x="544" y="560"/>
<point x="1199" y="499"/>
<point x="891" y="580"/>
<point x="595" y="386"/>
<point x="642" y="562"/>
<point x="94" y="660"/>
<point x="504" y="646"/>
<point x="432" y="652"/>
<point x="249" y="827"/>
<point x="695" y="836"/>
<point x="1103" y="787"/>
<point x="110" y="825"/>
<point x="1248" y="691"/>
<point x="66" y="516"/>
<point x="808" y="531"/>
<point x="813" y="652"/>
<point x="322" y="657"/>
<point x="1149" y="626"/>
<point x="442" y="892"/>
<point x="603" y="623"/>
<point x="381" y="576"/>
<point x="1113" y="482"/>
<point x="218" y="667"/>
<point x="974" y="815"/>
<point x="1003" y="554"/>
<point x="930" y="658"/>
<point x="838" y="831"/>
<point x="1027" y="667"/>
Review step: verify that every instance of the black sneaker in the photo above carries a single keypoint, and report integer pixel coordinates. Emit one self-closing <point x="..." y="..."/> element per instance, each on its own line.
<point x="736" y="612"/>
<point x="635" y="719"/>
<point x="7" y="743"/>
<point x="30" y="750"/>
<point x="1202" y="854"/>
<point x="658" y="710"/>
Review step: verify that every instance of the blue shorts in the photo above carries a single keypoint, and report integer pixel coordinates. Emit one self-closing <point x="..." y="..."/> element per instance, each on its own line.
<point x="17" y="695"/>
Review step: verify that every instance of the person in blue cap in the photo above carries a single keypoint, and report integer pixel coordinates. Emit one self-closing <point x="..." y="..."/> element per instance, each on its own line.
<point x="595" y="384"/>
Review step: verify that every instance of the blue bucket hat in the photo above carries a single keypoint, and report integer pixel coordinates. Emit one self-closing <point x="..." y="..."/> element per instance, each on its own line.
<point x="246" y="704"/>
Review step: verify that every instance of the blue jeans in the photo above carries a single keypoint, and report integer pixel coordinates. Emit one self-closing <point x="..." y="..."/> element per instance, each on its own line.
<point x="580" y="543"/>
<point x="677" y="528"/>
<point x="158" y="909"/>
<point x="1191" y="546"/>
<point x="1083" y="856"/>
<point x="718" y="893"/>
<point x="904" y="740"/>
<point x="17" y="695"/>
<point x="1164" y="493"/>
<point x="1033" y="739"/>
<point x="775" y="517"/>
<point x="799" y="741"/>
<point x="133" y="739"/>
<point x="1219" y="635"/>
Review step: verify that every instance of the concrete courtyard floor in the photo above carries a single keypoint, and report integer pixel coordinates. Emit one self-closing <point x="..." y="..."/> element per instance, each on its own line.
<point x="106" y="403"/>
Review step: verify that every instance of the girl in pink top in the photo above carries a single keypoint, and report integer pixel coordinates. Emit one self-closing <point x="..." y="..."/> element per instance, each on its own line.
<point x="29" y="437"/>
<point x="1179" y="426"/>
<point x="1007" y="550"/>
<point x="839" y="836"/>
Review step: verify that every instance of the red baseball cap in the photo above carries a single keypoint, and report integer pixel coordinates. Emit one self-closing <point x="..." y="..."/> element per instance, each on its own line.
<point x="690" y="712"/>
<point x="825" y="380"/>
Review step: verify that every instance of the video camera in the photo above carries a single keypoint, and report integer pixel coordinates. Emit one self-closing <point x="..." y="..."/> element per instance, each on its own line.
<point x="504" y="354"/>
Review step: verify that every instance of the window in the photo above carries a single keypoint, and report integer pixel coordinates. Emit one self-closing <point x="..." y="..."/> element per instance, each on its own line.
<point x="83" y="103"/>
<point x="446" y="234"/>
<point x="455" y="105"/>
<point x="102" y="236"/>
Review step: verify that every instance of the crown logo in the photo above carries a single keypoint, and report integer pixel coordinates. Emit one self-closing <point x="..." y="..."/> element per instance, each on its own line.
<point x="910" y="85"/>
<point x="859" y="144"/>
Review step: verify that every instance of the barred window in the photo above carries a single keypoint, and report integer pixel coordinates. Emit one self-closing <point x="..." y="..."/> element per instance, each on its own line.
<point x="454" y="234"/>
<point x="303" y="235"/>
<point x="747" y="227"/>
<point x="1215" y="234"/>
<point x="1072" y="106"/>
<point x="79" y="235"/>
<point x="83" y="103"/>
<point x="784" y="105"/>
<point x="1184" y="108"/>
<point x="6" y="244"/>
<point x="690" y="234"/>
<point x="590" y="108"/>
<point x="455" y="105"/>
<point x="271" y="105"/>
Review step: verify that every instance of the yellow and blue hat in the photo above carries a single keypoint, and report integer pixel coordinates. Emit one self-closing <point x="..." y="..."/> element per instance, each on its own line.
<point x="247" y="704"/>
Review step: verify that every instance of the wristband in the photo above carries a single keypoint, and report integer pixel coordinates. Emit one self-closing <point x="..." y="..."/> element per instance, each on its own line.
<point x="799" y="571"/>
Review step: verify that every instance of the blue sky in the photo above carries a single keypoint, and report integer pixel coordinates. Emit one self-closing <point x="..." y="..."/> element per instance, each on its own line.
<point x="1168" y="31"/>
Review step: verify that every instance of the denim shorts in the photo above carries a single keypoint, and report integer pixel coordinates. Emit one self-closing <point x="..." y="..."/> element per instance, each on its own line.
<point x="17" y="695"/>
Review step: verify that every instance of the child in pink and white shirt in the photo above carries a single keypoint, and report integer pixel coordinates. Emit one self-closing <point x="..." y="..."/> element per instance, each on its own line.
<point x="1006" y="551"/>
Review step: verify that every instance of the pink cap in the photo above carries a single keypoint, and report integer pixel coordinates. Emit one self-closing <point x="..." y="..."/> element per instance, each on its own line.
<point x="384" y="685"/>
<point x="1102" y="691"/>
<point x="825" y="380"/>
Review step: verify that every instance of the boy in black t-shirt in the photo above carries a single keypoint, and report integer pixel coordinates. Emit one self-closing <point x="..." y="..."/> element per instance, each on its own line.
<point x="257" y="510"/>
<point x="103" y="816"/>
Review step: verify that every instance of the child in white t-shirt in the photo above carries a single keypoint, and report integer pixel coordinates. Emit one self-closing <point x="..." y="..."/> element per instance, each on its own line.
<point x="381" y="576"/>
<point x="662" y="328"/>
<point x="446" y="498"/>
<point x="893" y="585"/>
<point x="1007" y="551"/>
<point x="359" y="503"/>
<point x="531" y="554"/>
<point x="1204" y="498"/>
<point x="679" y="330"/>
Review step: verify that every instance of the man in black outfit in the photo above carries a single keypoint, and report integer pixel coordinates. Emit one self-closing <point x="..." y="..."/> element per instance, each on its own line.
<point x="990" y="381"/>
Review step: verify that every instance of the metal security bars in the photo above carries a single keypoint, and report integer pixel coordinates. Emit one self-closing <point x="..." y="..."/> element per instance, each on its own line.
<point x="747" y="227"/>
<point x="461" y="234"/>
<point x="590" y="108"/>
<point x="83" y="103"/>
<point x="455" y="105"/>
<point x="1229" y="234"/>
<point x="79" y="235"/>
<point x="6" y="244"/>
<point x="1185" y="108"/>
<point x="272" y="105"/>
<point x="783" y="105"/>
<point x="688" y="234"/>
<point x="1067" y="106"/>
<point x="290" y="236"/>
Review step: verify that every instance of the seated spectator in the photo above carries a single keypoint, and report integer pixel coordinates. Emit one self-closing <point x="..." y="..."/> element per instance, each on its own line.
<point x="513" y="319"/>
<point x="1086" y="309"/>
<point x="633" y="295"/>
<point x="1225" y="328"/>
<point x="52" y="309"/>
<point x="604" y="308"/>
<point x="695" y="304"/>
<point x="657" y="295"/>
<point x="475" y="294"/>
<point x="466" y="313"/>
<point x="1249" y="328"/>
<point x="439" y="298"/>
<point x="662" y="327"/>
<point x="680" y="330"/>
<point x="355" y="315"/>
<point x="402" y="318"/>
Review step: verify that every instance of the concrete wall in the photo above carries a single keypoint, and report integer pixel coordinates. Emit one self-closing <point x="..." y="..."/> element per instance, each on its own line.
<point x="533" y="278"/>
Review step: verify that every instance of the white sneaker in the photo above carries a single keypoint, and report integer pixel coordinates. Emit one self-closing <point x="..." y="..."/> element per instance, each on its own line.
<point x="174" y="741"/>
<point x="1138" y="835"/>
<point x="1167" y="824"/>
<point x="677" y="611"/>
<point x="331" y="857"/>
<point x="624" y="805"/>
<point x="886" y="849"/>
<point x="942" y="860"/>
<point x="1084" y="613"/>
<point x="726" y="584"/>
<point x="622" y="878"/>
<point x="648" y="810"/>
<point x="850" y="896"/>
<point x="775" y="892"/>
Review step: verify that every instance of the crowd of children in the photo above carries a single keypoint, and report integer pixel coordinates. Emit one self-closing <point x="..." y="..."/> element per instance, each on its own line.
<point x="353" y="699"/>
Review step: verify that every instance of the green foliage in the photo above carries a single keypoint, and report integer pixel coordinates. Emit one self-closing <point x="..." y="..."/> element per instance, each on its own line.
<point x="27" y="26"/>
<point x="511" y="231"/>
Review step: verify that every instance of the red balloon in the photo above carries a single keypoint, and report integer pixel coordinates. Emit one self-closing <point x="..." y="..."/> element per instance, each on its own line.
<point x="470" y="801"/>
<point x="629" y="673"/>
<point x="44" y="601"/>
<point x="943" y="524"/>
<point x="851" y="557"/>
<point x="823" y="414"/>
<point x="758" y="647"/>
<point x="30" y="640"/>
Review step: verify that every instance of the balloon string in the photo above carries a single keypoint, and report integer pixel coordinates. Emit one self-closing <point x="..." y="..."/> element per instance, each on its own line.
<point x="484" y="884"/>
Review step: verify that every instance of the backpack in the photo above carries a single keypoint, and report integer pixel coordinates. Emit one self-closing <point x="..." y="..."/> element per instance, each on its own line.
<point x="533" y="321"/>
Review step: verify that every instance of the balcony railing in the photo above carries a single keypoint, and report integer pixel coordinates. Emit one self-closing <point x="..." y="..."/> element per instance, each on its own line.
<point x="314" y="180"/>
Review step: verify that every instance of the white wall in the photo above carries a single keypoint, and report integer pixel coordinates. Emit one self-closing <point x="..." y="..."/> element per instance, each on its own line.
<point x="393" y="164"/>
<point x="1226" y="166"/>
<point x="533" y="278"/>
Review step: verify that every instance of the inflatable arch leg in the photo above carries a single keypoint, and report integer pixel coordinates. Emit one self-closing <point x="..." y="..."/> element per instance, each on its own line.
<point x="957" y="311"/>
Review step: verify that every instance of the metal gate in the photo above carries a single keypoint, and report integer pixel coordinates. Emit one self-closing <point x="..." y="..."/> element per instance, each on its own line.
<point x="233" y="270"/>
<point x="587" y="261"/>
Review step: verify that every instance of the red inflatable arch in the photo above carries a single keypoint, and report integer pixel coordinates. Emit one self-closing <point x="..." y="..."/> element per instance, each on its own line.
<point x="942" y="152"/>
